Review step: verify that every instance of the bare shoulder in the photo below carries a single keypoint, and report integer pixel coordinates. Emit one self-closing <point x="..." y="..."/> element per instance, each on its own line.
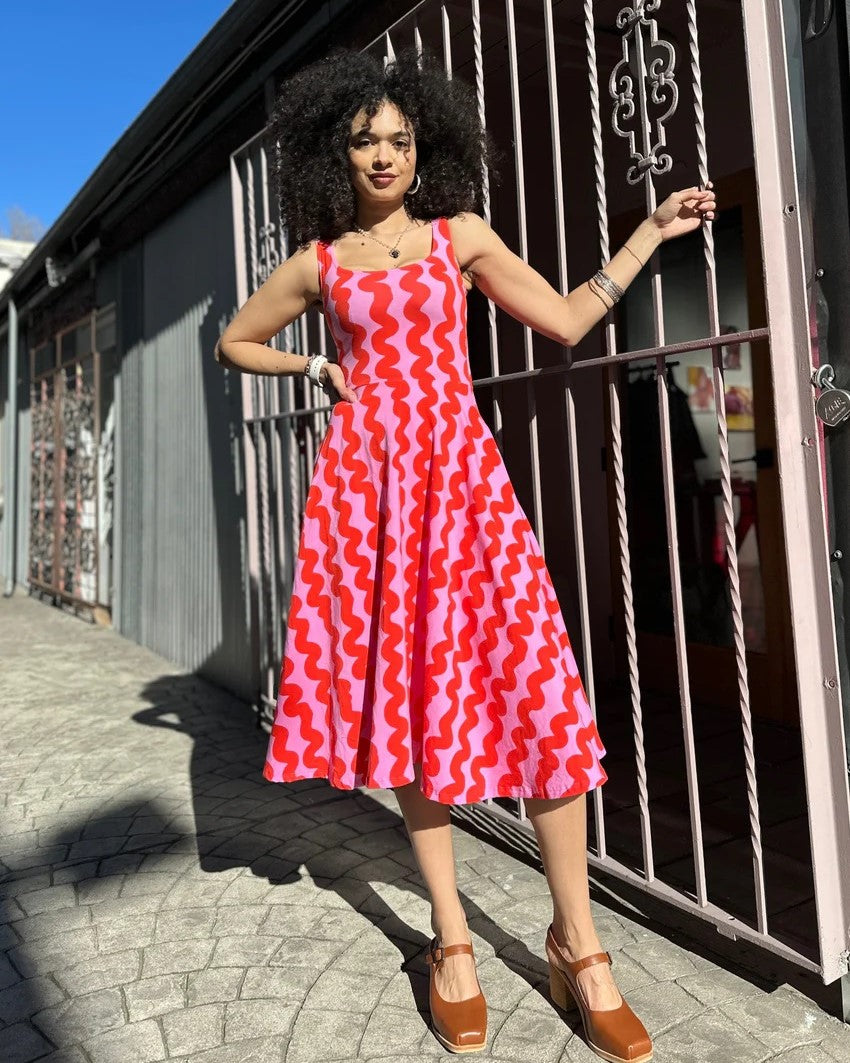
<point x="475" y="245"/>
<point x="304" y="260"/>
<point x="470" y="234"/>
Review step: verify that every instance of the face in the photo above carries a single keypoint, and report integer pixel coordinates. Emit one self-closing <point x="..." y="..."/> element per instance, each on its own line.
<point x="381" y="155"/>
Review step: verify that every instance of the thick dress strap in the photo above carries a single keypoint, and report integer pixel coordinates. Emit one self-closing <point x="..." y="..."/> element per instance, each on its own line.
<point x="323" y="259"/>
<point x="445" y="236"/>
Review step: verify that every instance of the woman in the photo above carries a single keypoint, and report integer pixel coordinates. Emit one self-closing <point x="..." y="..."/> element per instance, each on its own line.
<point x="425" y="649"/>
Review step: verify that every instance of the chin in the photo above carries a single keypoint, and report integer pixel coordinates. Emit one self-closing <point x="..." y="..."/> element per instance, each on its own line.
<point x="382" y="195"/>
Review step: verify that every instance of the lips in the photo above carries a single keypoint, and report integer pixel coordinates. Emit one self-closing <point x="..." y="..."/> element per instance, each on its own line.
<point x="382" y="179"/>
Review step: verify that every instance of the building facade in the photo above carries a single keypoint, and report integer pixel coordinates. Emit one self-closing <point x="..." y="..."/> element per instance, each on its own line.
<point x="686" y="476"/>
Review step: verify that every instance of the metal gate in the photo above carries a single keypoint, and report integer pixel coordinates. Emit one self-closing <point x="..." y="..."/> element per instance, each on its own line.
<point x="70" y="470"/>
<point x="642" y="109"/>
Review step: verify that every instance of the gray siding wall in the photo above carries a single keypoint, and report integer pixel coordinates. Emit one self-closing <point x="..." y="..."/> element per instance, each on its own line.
<point x="180" y="514"/>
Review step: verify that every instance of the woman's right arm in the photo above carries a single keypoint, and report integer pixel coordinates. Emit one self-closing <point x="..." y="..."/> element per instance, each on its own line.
<point x="289" y="290"/>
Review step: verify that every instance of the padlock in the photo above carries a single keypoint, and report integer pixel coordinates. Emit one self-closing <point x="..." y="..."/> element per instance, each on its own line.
<point x="833" y="404"/>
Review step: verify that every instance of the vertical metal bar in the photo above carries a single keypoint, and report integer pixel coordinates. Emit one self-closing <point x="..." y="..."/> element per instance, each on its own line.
<point x="98" y="398"/>
<point x="478" y="52"/>
<point x="617" y="460"/>
<point x="10" y="478"/>
<point x="679" y="636"/>
<point x="260" y="389"/>
<point x="77" y="468"/>
<point x="249" y="455"/>
<point x="447" y="38"/>
<point x="572" y="439"/>
<point x="292" y="486"/>
<point x="277" y="560"/>
<point x="726" y="488"/>
<point x="59" y="462"/>
<point x="800" y="485"/>
<point x="251" y="224"/>
<point x="528" y="344"/>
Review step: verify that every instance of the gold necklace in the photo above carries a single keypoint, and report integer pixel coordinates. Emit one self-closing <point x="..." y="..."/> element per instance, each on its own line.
<point x="393" y="251"/>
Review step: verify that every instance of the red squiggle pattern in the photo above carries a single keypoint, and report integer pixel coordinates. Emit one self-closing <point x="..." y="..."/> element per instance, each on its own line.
<point x="424" y="625"/>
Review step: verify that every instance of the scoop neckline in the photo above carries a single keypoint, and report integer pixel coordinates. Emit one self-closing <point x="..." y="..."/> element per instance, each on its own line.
<point x="391" y="269"/>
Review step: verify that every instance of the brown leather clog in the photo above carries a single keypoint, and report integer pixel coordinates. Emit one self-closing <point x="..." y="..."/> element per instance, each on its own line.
<point x="459" y="1025"/>
<point x="616" y="1035"/>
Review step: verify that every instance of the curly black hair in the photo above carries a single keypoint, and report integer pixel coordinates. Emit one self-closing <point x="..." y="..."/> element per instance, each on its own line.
<point x="311" y="123"/>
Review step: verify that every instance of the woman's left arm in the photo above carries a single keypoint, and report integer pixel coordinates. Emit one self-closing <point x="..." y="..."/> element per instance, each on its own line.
<point x="526" y="295"/>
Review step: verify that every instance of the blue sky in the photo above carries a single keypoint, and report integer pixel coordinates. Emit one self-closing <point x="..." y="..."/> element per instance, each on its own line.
<point x="73" y="76"/>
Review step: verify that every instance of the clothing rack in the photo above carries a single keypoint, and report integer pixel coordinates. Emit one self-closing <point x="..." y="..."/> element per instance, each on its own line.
<point x="651" y="369"/>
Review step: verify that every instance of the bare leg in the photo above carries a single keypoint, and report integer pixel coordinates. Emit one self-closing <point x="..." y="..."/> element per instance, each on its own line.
<point x="429" y="829"/>
<point x="561" y="828"/>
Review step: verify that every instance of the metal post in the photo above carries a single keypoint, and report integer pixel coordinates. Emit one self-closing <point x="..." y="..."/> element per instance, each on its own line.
<point x="800" y="481"/>
<point x="10" y="505"/>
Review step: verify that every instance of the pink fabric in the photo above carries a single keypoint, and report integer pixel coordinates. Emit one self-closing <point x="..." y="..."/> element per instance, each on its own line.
<point x="423" y="623"/>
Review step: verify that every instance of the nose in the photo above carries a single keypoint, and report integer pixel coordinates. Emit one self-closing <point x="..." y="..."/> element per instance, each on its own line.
<point x="382" y="158"/>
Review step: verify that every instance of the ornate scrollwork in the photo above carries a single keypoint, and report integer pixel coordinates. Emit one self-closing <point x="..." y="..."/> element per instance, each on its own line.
<point x="642" y="82"/>
<point x="268" y="258"/>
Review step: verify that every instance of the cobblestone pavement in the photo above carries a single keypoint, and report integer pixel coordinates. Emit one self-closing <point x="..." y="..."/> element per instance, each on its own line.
<point x="163" y="901"/>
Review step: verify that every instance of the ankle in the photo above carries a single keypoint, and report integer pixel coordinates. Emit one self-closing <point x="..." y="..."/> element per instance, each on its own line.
<point x="450" y="926"/>
<point x="575" y="942"/>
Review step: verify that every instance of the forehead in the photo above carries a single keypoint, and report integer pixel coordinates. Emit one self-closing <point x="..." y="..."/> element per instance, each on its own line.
<point x="387" y="119"/>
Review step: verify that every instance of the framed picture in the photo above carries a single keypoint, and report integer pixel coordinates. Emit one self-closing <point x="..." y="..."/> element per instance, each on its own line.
<point x="700" y="390"/>
<point x="739" y="409"/>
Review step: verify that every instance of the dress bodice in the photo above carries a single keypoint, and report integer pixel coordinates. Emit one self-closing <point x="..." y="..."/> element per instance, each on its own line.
<point x="405" y="324"/>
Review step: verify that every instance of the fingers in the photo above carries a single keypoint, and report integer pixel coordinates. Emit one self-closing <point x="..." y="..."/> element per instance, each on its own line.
<point x="701" y="199"/>
<point x="345" y="392"/>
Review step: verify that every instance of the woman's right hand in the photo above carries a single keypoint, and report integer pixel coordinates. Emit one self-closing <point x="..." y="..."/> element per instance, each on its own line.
<point x="331" y="375"/>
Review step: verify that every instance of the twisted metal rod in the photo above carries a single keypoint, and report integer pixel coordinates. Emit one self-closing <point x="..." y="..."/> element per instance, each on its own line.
<point x="572" y="435"/>
<point x="726" y="487"/>
<point x="617" y="460"/>
<point x="478" y="53"/>
<point x="536" y="516"/>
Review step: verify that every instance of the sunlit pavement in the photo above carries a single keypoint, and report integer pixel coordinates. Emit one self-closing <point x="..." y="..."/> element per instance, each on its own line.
<point x="161" y="900"/>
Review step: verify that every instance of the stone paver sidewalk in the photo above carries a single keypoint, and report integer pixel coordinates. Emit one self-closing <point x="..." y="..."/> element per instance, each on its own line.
<point x="161" y="900"/>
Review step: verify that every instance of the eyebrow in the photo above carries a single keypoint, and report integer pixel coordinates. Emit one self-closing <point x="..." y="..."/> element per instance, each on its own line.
<point x="366" y="129"/>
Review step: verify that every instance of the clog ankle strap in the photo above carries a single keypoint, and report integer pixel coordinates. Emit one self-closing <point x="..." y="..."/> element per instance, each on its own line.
<point x="435" y="953"/>
<point x="589" y="961"/>
<point x="578" y="965"/>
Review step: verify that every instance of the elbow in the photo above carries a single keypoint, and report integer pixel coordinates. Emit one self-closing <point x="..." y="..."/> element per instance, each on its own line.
<point x="219" y="354"/>
<point x="567" y="332"/>
<point x="566" y="338"/>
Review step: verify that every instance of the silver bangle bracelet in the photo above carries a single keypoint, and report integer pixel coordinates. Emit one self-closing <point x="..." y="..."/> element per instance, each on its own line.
<point x="609" y="286"/>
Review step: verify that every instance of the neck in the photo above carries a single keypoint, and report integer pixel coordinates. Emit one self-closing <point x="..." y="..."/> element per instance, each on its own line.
<point x="381" y="217"/>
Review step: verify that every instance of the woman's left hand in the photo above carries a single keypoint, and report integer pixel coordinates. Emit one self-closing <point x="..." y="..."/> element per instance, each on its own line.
<point x="682" y="212"/>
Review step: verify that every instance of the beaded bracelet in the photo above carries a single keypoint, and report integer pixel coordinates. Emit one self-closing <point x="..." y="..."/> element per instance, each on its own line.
<point x="313" y="367"/>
